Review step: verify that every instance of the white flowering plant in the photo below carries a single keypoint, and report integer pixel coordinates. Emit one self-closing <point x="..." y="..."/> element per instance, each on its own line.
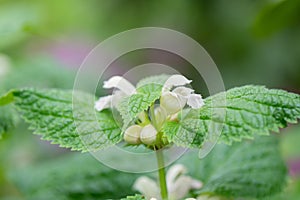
<point x="161" y="111"/>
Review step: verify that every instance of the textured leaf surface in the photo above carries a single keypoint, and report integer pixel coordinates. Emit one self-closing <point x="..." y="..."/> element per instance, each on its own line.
<point x="249" y="111"/>
<point x="148" y="91"/>
<point x="251" y="169"/>
<point x="71" y="123"/>
<point x="46" y="74"/>
<point x="72" y="177"/>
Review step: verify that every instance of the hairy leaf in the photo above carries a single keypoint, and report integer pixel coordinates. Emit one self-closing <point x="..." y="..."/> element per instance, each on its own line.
<point x="72" y="177"/>
<point x="251" y="169"/>
<point x="46" y="73"/>
<point x="248" y="111"/>
<point x="69" y="122"/>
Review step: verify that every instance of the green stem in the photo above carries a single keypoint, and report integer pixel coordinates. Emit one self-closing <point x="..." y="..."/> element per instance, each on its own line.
<point x="162" y="174"/>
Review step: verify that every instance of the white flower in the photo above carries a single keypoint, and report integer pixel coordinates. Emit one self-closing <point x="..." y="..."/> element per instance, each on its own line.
<point x="175" y="100"/>
<point x="132" y="134"/>
<point x="148" y="135"/>
<point x="125" y="89"/>
<point x="147" y="187"/>
<point x="172" y="101"/>
<point x="178" y="184"/>
<point x="120" y="83"/>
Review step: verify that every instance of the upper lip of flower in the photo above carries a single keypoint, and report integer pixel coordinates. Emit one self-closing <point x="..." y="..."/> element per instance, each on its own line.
<point x="120" y="83"/>
<point x="125" y="88"/>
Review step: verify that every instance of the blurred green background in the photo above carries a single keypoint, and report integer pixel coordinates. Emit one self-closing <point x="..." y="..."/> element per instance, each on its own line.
<point x="42" y="43"/>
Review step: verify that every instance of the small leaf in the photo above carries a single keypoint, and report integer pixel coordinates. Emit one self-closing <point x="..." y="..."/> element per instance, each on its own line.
<point x="252" y="169"/>
<point x="148" y="91"/>
<point x="248" y="111"/>
<point x="67" y="118"/>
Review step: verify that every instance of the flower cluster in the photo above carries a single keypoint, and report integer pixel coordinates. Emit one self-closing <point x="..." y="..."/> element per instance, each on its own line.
<point x="174" y="97"/>
<point x="178" y="183"/>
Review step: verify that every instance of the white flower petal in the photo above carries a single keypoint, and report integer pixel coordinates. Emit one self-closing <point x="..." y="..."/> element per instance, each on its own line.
<point x="160" y="116"/>
<point x="174" y="172"/>
<point x="117" y="97"/>
<point x="175" y="80"/>
<point x="103" y="103"/>
<point x="120" y="83"/>
<point x="195" y="101"/>
<point x="132" y="134"/>
<point x="182" y="185"/>
<point x="148" y="134"/>
<point x="147" y="187"/>
<point x="172" y="102"/>
<point x="183" y="91"/>
<point x="195" y="184"/>
<point x="180" y="188"/>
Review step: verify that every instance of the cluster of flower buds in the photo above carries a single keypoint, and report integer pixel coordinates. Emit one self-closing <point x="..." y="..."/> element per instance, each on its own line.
<point x="137" y="134"/>
<point x="174" y="97"/>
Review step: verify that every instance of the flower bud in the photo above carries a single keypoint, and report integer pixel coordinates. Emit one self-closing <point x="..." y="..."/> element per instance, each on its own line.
<point x="172" y="102"/>
<point x="148" y="135"/>
<point x="132" y="134"/>
<point x="143" y="117"/>
<point x="160" y="116"/>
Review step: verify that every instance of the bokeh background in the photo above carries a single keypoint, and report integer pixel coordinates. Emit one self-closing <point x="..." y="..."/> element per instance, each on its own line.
<point x="42" y="43"/>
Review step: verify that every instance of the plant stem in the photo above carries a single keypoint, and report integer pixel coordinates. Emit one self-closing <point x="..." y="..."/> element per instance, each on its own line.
<point x="162" y="174"/>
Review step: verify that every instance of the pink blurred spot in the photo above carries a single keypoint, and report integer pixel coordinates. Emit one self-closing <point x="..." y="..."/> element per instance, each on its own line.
<point x="70" y="52"/>
<point x="294" y="167"/>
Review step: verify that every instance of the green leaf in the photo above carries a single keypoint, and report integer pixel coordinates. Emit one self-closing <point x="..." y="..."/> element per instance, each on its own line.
<point x="136" y="197"/>
<point x="148" y="91"/>
<point x="152" y="82"/>
<point x="8" y="119"/>
<point x="248" y="111"/>
<point x="46" y="73"/>
<point x="6" y="99"/>
<point x="71" y="177"/>
<point x="252" y="169"/>
<point x="67" y="118"/>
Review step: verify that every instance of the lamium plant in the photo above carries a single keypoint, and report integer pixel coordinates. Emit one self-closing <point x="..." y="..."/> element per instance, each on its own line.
<point x="162" y="111"/>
